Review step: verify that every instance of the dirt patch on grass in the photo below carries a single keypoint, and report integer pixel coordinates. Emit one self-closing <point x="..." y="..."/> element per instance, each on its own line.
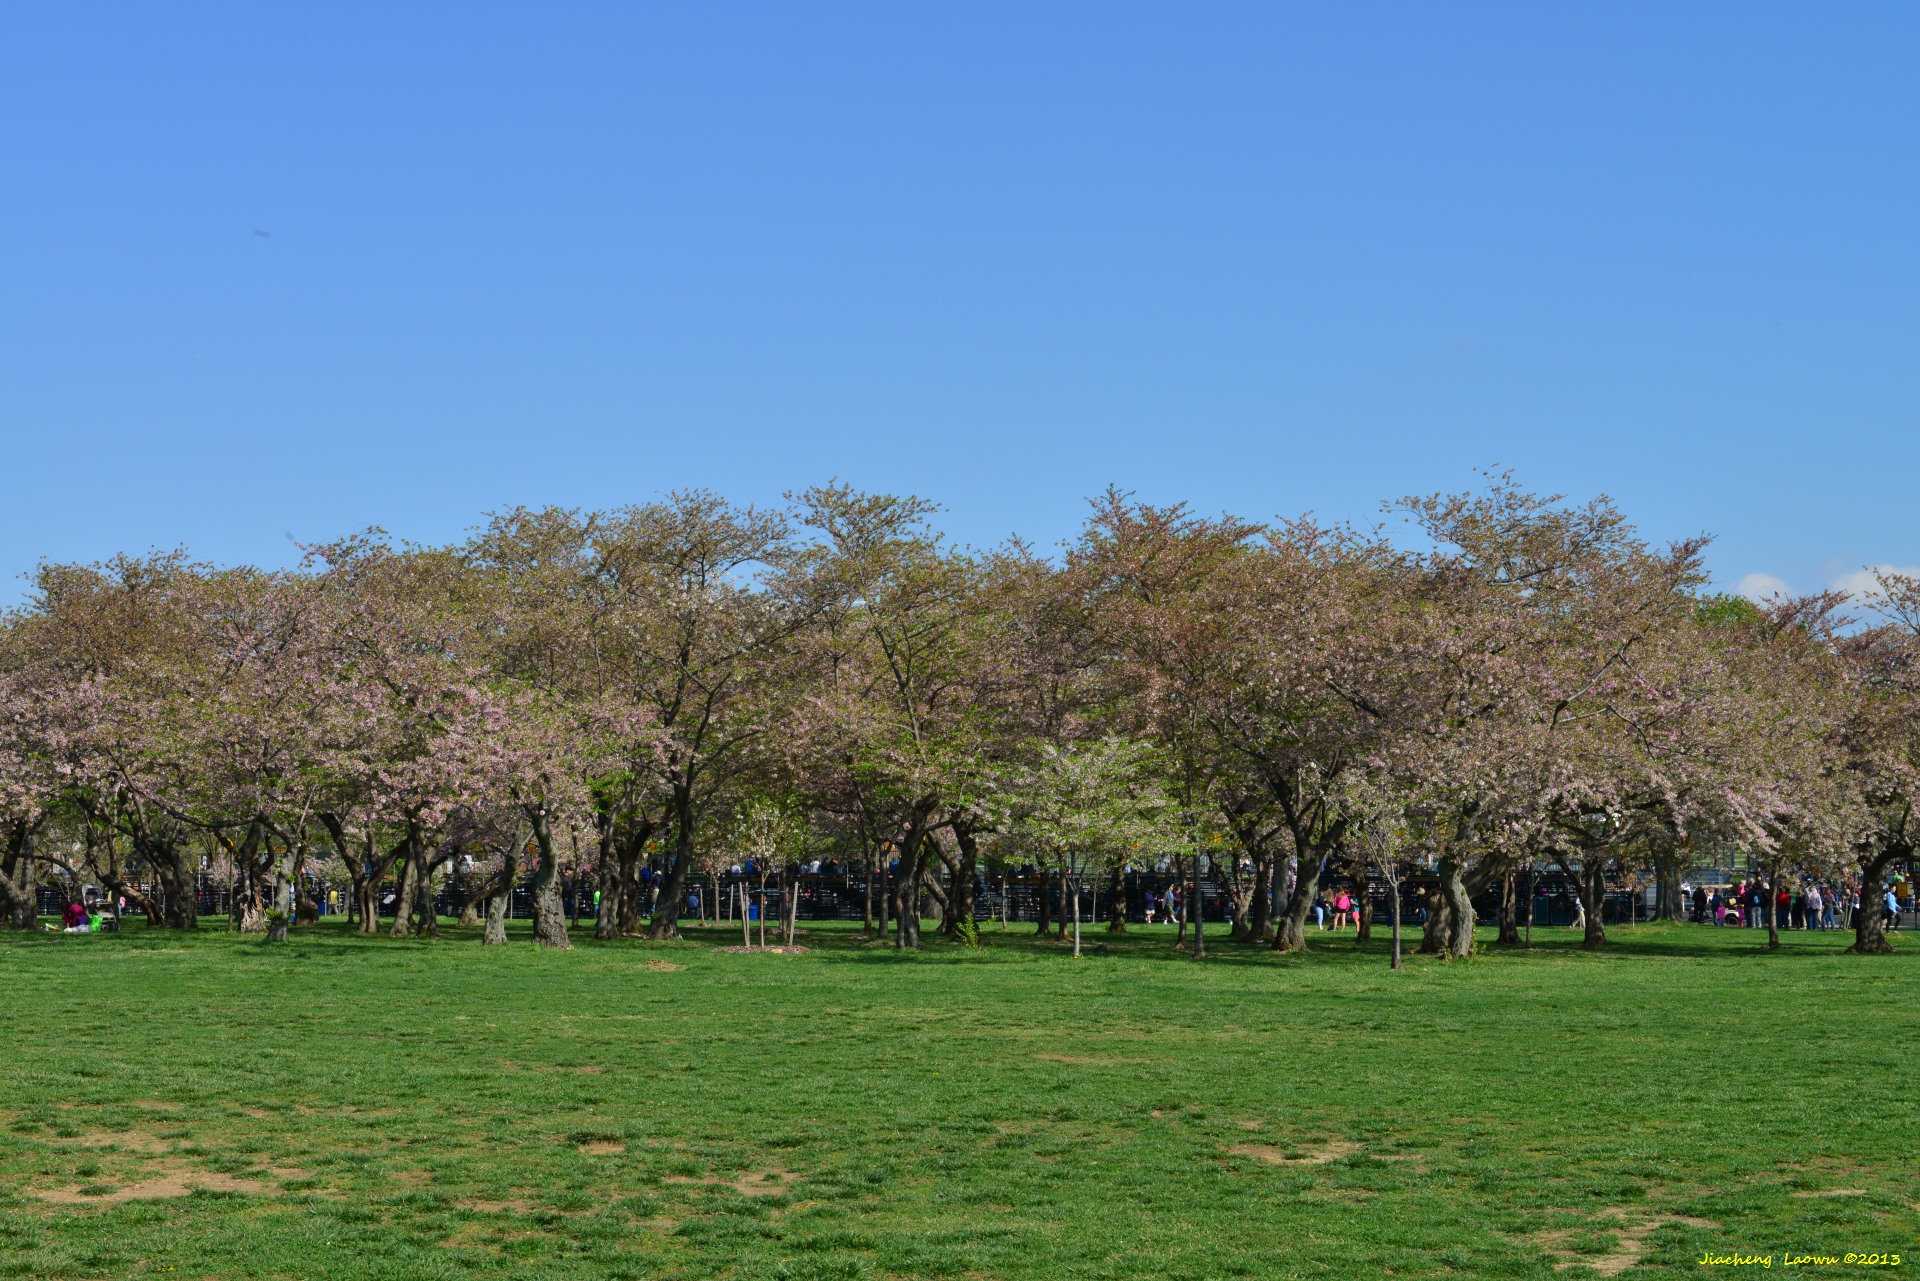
<point x="155" y="1105"/>
<point x="754" y="1183"/>
<point x="603" y="1147"/>
<point x="131" y="1140"/>
<point x="480" y="1206"/>
<point x="1826" y="1192"/>
<point x="659" y="966"/>
<point x="165" y="1180"/>
<point x="1631" y="1230"/>
<point x="1319" y="1154"/>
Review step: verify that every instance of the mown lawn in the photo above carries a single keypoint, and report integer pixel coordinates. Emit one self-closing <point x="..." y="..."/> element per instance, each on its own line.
<point x="337" y="1107"/>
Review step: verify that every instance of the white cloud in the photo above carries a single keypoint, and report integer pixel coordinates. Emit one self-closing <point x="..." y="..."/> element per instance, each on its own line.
<point x="1762" y="587"/>
<point x="1864" y="583"/>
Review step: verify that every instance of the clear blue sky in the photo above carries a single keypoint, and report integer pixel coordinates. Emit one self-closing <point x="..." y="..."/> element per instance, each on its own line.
<point x="1264" y="257"/>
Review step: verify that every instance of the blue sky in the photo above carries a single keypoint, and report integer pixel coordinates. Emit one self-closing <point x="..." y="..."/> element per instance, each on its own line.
<point x="1266" y="258"/>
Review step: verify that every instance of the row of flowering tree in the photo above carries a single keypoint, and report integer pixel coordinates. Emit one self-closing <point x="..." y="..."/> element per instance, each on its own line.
<point x="1486" y="682"/>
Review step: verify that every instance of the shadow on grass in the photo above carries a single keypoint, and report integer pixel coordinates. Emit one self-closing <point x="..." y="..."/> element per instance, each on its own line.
<point x="842" y="942"/>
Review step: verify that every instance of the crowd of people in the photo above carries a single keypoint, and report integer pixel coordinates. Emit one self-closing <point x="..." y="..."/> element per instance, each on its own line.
<point x="1807" y="906"/>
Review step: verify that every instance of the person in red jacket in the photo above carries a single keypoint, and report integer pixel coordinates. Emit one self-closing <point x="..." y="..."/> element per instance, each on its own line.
<point x="74" y="919"/>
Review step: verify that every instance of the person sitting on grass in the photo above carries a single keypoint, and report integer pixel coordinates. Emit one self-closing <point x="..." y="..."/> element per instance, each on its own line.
<point x="75" y="920"/>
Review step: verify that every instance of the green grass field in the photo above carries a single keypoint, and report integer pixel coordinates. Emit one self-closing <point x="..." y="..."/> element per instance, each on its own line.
<point x="208" y="1106"/>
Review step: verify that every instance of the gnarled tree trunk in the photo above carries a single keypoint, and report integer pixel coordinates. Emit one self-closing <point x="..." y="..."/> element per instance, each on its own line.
<point x="19" y="893"/>
<point x="966" y="870"/>
<point x="1668" y="905"/>
<point x="1449" y="929"/>
<point x="673" y="891"/>
<point x="180" y="907"/>
<point x="500" y="897"/>
<point x="1290" y="931"/>
<point x="1509" y="911"/>
<point x="415" y="856"/>
<point x="906" y="892"/>
<point x="549" y="912"/>
<point x="1593" y="893"/>
<point x="1870" y="919"/>
<point x="1260" y="911"/>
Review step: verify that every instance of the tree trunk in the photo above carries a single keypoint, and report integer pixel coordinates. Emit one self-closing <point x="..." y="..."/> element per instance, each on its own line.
<point x="426" y="916"/>
<point x="966" y="871"/>
<point x="1076" y="911"/>
<point x="1453" y="888"/>
<point x="1870" y="918"/>
<point x="364" y="872"/>
<point x="403" y="902"/>
<point x="867" y="923"/>
<point x="306" y="910"/>
<point x="366" y="901"/>
<point x="906" y="903"/>
<point x="1532" y="895"/>
<point x="169" y="863"/>
<point x="606" y="913"/>
<point x="252" y="910"/>
<point x="1363" y="906"/>
<point x="791" y="884"/>
<point x="1668" y="905"/>
<point x="1260" y="911"/>
<point x="1199" y="901"/>
<point x="1449" y="931"/>
<point x="937" y="900"/>
<point x="673" y="893"/>
<point x="473" y="908"/>
<point x="1290" y="931"/>
<point x="1063" y="902"/>
<point x="549" y="910"/>
<point x="906" y="900"/>
<point x="627" y="897"/>
<point x="1593" y="890"/>
<point x="1117" y="906"/>
<point x="19" y="893"/>
<point x="414" y="856"/>
<point x="500" y="897"/>
<point x="1393" y="888"/>
<point x="1773" y="908"/>
<point x="1509" y="911"/>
